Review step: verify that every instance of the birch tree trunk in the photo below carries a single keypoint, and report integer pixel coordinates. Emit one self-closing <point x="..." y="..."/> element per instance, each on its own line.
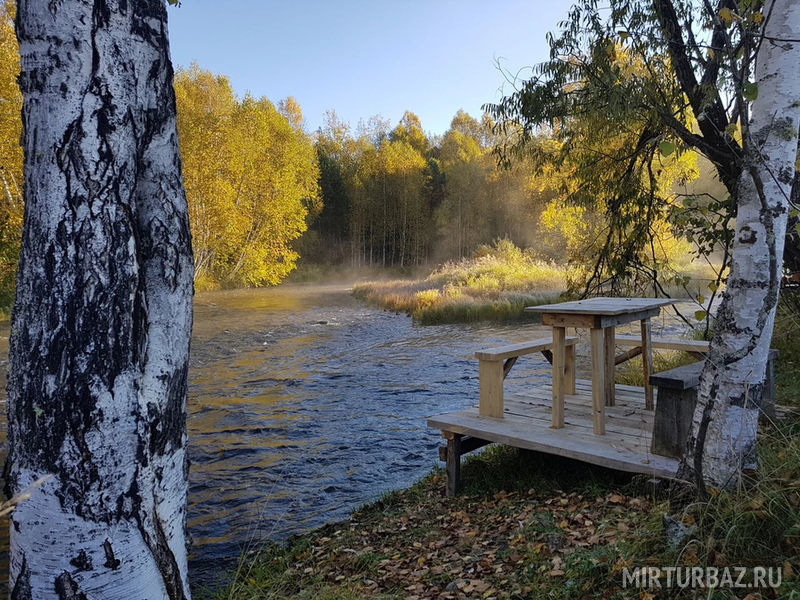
<point x="722" y="442"/>
<point x="102" y="316"/>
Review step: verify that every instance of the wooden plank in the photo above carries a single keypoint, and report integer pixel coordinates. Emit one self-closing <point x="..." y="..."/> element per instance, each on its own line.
<point x="625" y="404"/>
<point x="627" y="355"/>
<point x="598" y="379"/>
<point x="589" y="321"/>
<point x="490" y="388"/>
<point x="637" y="425"/>
<point x="584" y="388"/>
<point x="665" y="343"/>
<point x="603" y="306"/>
<point x="647" y="363"/>
<point x="468" y="444"/>
<point x="569" y="369"/>
<point x="610" y="352"/>
<point x="673" y="421"/>
<point x="521" y="432"/>
<point x="580" y="404"/>
<point x="508" y="364"/>
<point x="559" y="335"/>
<point x="614" y="320"/>
<point x="586" y="384"/>
<point x="679" y="378"/>
<point x="584" y="321"/>
<point x="567" y="438"/>
<point x="521" y="349"/>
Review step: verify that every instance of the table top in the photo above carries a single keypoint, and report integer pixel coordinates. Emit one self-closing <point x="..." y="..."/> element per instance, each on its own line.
<point x="602" y="306"/>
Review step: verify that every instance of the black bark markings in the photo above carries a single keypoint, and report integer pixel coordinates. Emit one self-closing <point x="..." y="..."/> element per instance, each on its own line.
<point x="167" y="426"/>
<point x="112" y="562"/>
<point x="156" y="541"/>
<point x="82" y="562"/>
<point x="747" y="235"/>
<point x="22" y="586"/>
<point x="67" y="589"/>
<point x="85" y="336"/>
<point x="726" y="322"/>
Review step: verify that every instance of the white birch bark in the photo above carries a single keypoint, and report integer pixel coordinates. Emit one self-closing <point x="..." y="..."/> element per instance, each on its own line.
<point x="723" y="438"/>
<point x="102" y="316"/>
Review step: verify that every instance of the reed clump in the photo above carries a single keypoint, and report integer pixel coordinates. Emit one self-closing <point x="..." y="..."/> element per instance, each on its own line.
<point x="497" y="283"/>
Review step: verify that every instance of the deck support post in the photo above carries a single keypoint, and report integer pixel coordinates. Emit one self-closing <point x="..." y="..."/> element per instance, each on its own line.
<point x="598" y="380"/>
<point x="453" y="462"/>
<point x="569" y="369"/>
<point x="647" y="363"/>
<point x="490" y="384"/>
<point x="559" y="360"/>
<point x="610" y="351"/>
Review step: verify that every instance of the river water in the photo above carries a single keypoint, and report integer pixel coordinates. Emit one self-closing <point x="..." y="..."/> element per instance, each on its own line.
<point x="305" y="404"/>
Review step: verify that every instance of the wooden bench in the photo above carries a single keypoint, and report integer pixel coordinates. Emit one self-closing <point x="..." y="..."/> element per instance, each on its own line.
<point x="494" y="365"/>
<point x="677" y="398"/>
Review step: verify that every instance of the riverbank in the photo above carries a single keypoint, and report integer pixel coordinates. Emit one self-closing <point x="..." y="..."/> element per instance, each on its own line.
<point x="496" y="285"/>
<point x="530" y="526"/>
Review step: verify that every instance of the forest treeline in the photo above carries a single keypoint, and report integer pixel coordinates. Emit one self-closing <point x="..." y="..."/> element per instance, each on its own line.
<point x="396" y="197"/>
<point x="264" y="193"/>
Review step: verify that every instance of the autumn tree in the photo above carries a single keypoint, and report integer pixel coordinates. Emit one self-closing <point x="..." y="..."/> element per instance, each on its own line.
<point x="398" y="198"/>
<point x="10" y="154"/>
<point x="251" y="180"/>
<point x="694" y="88"/>
<point x="102" y="316"/>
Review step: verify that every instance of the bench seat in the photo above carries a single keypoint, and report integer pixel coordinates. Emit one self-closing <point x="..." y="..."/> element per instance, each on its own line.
<point x="677" y="398"/>
<point x="494" y="364"/>
<point x="521" y="349"/>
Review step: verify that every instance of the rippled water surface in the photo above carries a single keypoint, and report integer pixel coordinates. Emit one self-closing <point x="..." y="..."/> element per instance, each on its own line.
<point x="304" y="404"/>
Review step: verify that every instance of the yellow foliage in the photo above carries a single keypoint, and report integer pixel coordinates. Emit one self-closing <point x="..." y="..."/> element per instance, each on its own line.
<point x="251" y="180"/>
<point x="11" y="182"/>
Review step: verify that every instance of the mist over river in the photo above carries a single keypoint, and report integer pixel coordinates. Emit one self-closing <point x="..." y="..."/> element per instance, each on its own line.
<point x="305" y="404"/>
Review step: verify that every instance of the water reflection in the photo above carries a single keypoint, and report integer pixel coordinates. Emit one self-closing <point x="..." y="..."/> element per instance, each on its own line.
<point x="305" y="404"/>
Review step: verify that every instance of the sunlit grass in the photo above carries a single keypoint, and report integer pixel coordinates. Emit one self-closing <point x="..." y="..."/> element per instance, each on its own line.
<point x="497" y="284"/>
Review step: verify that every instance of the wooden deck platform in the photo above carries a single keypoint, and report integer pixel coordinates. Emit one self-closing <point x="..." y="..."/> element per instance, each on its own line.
<point x="527" y="418"/>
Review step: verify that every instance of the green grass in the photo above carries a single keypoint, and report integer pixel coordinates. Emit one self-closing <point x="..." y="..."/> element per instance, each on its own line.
<point x="497" y="284"/>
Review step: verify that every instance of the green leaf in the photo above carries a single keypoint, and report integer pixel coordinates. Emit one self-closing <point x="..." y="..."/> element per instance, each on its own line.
<point x="713" y="286"/>
<point x="623" y="35"/>
<point x="731" y="128"/>
<point x="797" y="228"/>
<point x="700" y="298"/>
<point x="700" y="314"/>
<point x="666" y="148"/>
<point x="750" y="91"/>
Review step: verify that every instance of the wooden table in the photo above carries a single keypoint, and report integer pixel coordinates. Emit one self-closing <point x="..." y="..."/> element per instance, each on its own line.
<point x="600" y="316"/>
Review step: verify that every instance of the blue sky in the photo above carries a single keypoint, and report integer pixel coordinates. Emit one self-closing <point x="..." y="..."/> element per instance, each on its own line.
<point x="362" y="58"/>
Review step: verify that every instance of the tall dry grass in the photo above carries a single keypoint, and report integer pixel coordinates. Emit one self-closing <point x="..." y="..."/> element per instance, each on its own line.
<point x="497" y="284"/>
